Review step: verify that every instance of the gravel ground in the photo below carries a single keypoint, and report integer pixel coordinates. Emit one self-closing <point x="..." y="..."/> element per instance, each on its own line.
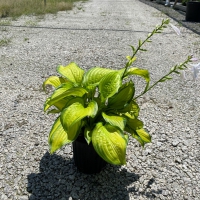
<point x="97" y="33"/>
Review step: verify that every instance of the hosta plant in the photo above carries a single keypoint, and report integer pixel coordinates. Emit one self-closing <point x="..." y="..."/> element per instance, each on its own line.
<point x="101" y="105"/>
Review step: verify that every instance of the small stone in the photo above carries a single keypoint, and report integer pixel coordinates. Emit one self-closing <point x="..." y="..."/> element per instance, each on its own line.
<point x="159" y="144"/>
<point x="175" y="143"/>
<point x="4" y="197"/>
<point x="177" y="160"/>
<point x="165" y="192"/>
<point x="23" y="197"/>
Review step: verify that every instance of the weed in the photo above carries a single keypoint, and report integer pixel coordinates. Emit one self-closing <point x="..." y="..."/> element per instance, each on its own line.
<point x="31" y="23"/>
<point x="5" y="22"/>
<point x="4" y="42"/>
<point x="16" y="8"/>
<point x="3" y="29"/>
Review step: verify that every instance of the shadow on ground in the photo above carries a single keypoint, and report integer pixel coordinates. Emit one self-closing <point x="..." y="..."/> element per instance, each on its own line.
<point x="58" y="179"/>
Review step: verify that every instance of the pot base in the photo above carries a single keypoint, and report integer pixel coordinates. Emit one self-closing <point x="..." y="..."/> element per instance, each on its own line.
<point x="85" y="157"/>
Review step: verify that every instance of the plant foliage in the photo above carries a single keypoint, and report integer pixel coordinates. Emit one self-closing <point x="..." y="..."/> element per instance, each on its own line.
<point x="101" y="104"/>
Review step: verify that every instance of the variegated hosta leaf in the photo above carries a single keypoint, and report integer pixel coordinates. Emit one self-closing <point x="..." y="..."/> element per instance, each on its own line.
<point x="74" y="100"/>
<point x="131" y="110"/>
<point x="74" y="130"/>
<point x="118" y="121"/>
<point x="76" y="112"/>
<point x="110" y="143"/>
<point x="137" y="137"/>
<point x="109" y="85"/>
<point x="140" y="72"/>
<point x="64" y="103"/>
<point x="93" y="76"/>
<point x="144" y="135"/>
<point x="59" y="94"/>
<point x="124" y="96"/>
<point x="72" y="72"/>
<point x="63" y="88"/>
<point x="58" y="136"/>
<point x="133" y="125"/>
<point x="135" y="128"/>
<point x="53" y="111"/>
<point x="88" y="134"/>
<point x="59" y="104"/>
<point x="55" y="81"/>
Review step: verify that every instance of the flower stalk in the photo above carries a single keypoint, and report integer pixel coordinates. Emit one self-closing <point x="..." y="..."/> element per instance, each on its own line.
<point x="158" y="29"/>
<point x="166" y="77"/>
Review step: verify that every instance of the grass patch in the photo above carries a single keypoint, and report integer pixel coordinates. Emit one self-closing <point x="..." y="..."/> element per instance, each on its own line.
<point x="4" y="42"/>
<point x="31" y="23"/>
<point x="16" y="8"/>
<point x="5" y="22"/>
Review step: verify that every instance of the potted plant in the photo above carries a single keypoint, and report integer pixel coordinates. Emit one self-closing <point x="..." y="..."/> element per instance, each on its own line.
<point x="98" y="111"/>
<point x="192" y="10"/>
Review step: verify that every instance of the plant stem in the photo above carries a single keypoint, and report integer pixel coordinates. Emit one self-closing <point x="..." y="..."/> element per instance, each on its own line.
<point x="173" y="70"/>
<point x="158" y="29"/>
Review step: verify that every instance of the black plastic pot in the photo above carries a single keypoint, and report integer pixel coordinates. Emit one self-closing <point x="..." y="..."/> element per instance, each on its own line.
<point x="85" y="157"/>
<point x="193" y="11"/>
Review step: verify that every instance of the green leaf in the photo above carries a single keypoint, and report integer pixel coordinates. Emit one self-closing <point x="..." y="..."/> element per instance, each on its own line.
<point x="72" y="72"/>
<point x="109" y="85"/>
<point x="93" y="76"/>
<point x="138" y="139"/>
<point x="55" y="81"/>
<point x="53" y="111"/>
<point x="140" y="42"/>
<point x="72" y="100"/>
<point x="132" y="109"/>
<point x="133" y="124"/>
<point x="124" y="96"/>
<point x="76" y="112"/>
<point x="88" y="135"/>
<point x="133" y="48"/>
<point x="60" y="94"/>
<point x="58" y="136"/>
<point x="135" y="128"/>
<point x="141" y="136"/>
<point x="110" y="143"/>
<point x="118" y="121"/>
<point x="59" y="104"/>
<point x="144" y="135"/>
<point x="140" y="72"/>
<point x="143" y="50"/>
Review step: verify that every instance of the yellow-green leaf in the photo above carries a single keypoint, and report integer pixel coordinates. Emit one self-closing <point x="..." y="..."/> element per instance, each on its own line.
<point x="61" y="94"/>
<point x="117" y="121"/>
<point x="133" y="124"/>
<point x="72" y="72"/>
<point x="59" y="104"/>
<point x="110" y="143"/>
<point x="131" y="110"/>
<point x="93" y="76"/>
<point x="88" y="134"/>
<point x="124" y="96"/>
<point x="130" y="60"/>
<point x="144" y="135"/>
<point x="140" y="72"/>
<point x="53" y="111"/>
<point x="58" y="136"/>
<point x="55" y="81"/>
<point x="109" y="85"/>
<point x="76" y="112"/>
